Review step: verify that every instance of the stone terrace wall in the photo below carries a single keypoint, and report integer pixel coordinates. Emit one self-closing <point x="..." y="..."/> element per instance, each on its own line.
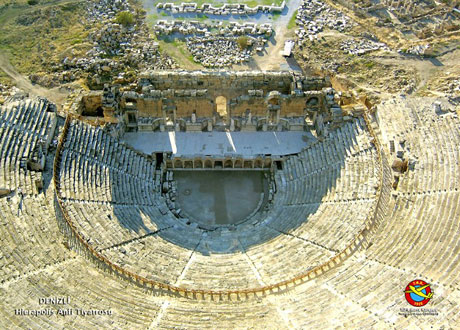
<point x="196" y="92"/>
<point x="225" y="9"/>
<point x="227" y="81"/>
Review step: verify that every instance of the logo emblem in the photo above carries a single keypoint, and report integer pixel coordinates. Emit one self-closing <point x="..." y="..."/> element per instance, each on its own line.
<point x="418" y="293"/>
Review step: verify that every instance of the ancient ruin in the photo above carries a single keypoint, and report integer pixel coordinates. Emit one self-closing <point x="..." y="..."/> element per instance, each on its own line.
<point x="166" y="166"/>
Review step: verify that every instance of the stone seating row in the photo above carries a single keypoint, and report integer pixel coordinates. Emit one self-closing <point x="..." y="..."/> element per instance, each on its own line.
<point x="25" y="127"/>
<point x="434" y="149"/>
<point x="106" y="224"/>
<point x="427" y="225"/>
<point x="331" y="225"/>
<point x="88" y="289"/>
<point x="151" y="257"/>
<point x="29" y="237"/>
<point x="429" y="141"/>
<point x="313" y="305"/>
<point x="83" y="178"/>
<point x="198" y="314"/>
<point x="355" y="179"/>
<point x="396" y="122"/>
<point x="219" y="271"/>
<point x="379" y="292"/>
<point x="340" y="144"/>
<point x="284" y="256"/>
<point x="97" y="144"/>
<point x="28" y="115"/>
<point x="16" y="149"/>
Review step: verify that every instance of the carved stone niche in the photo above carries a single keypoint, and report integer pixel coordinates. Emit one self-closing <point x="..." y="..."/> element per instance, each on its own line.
<point x="273" y="99"/>
<point x="273" y="102"/>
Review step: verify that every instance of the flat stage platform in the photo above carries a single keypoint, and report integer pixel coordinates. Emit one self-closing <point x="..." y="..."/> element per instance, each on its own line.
<point x="220" y="143"/>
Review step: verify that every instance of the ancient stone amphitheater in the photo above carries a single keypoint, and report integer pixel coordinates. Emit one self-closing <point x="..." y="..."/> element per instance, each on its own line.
<point x="85" y="219"/>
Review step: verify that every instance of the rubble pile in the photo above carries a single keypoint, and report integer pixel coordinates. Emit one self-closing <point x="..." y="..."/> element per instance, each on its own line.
<point x="163" y="27"/>
<point x="418" y="49"/>
<point x="116" y="48"/>
<point x="450" y="86"/>
<point x="215" y="45"/>
<point x="6" y="92"/>
<point x="408" y="7"/>
<point x="418" y="17"/>
<point x="361" y="46"/>
<point x="314" y="16"/>
<point x="225" y="10"/>
<point x="145" y="55"/>
<point x="454" y="87"/>
<point x="104" y="10"/>
<point x="112" y="39"/>
<point x="217" y="51"/>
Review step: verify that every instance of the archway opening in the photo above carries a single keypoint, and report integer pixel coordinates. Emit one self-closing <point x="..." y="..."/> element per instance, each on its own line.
<point x="221" y="106"/>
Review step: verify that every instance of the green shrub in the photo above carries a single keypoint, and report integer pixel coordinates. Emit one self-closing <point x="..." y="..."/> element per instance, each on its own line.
<point x="242" y="42"/>
<point x="125" y="18"/>
<point x="32" y="2"/>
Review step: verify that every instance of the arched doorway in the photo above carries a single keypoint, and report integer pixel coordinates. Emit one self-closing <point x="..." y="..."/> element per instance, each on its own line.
<point x="221" y="106"/>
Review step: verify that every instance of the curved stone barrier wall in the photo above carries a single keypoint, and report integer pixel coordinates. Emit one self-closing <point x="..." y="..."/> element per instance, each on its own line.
<point x="362" y="238"/>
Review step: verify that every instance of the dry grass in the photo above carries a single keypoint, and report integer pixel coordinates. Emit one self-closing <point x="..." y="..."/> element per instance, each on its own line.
<point x="35" y="37"/>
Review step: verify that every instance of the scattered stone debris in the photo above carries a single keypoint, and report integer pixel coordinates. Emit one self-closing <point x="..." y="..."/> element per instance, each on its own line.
<point x="164" y="27"/>
<point x="418" y="49"/>
<point x="116" y="48"/>
<point x="217" y="51"/>
<point x="215" y="45"/>
<point x="361" y="46"/>
<point x="8" y="92"/>
<point x="449" y="85"/>
<point x="421" y="18"/>
<point x="103" y="10"/>
<point x="314" y="16"/>
<point x="226" y="9"/>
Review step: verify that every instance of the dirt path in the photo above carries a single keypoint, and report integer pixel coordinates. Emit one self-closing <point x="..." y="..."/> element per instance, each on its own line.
<point x="55" y="95"/>
<point x="272" y="59"/>
<point x="427" y="68"/>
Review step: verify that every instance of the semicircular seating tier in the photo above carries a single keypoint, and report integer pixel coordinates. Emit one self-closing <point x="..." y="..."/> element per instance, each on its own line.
<point x="26" y="130"/>
<point x="324" y="196"/>
<point x="419" y="238"/>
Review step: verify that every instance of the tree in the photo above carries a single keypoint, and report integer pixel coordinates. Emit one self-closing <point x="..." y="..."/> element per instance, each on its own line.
<point x="125" y="18"/>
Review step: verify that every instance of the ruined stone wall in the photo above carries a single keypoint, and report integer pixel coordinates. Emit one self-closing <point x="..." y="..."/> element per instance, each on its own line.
<point x="90" y="104"/>
<point x="229" y="84"/>
<point x="197" y="91"/>
<point x="255" y="105"/>
<point x="149" y="107"/>
<point x="203" y="107"/>
<point x="292" y="107"/>
<point x="239" y="100"/>
<point x="289" y="106"/>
